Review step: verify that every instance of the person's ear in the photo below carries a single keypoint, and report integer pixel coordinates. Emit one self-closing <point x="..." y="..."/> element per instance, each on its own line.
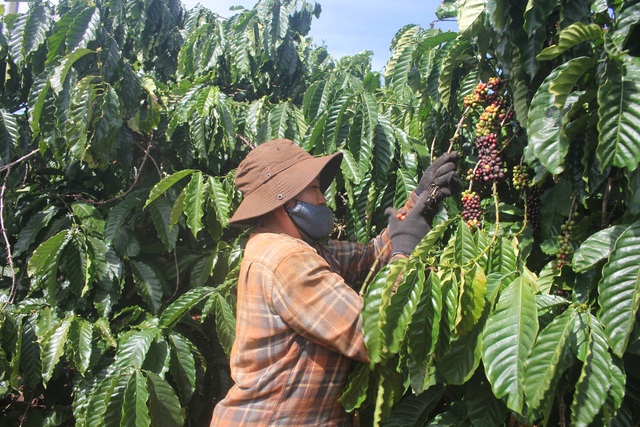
<point x="290" y="204"/>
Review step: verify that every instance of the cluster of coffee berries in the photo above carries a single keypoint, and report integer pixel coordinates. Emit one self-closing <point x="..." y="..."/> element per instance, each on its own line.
<point x="484" y="93"/>
<point x="520" y="177"/>
<point x="533" y="208"/>
<point x="471" y="211"/>
<point x="565" y="250"/>
<point x="490" y="166"/>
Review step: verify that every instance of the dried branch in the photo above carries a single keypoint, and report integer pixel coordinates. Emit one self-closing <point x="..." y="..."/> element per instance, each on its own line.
<point x="245" y="141"/>
<point x="20" y="160"/>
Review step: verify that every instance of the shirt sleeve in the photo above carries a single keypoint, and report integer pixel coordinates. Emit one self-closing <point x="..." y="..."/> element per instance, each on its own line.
<point x="318" y="304"/>
<point x="355" y="261"/>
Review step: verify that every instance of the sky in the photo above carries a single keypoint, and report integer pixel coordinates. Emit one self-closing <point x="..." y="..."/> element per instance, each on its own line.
<point x="347" y="27"/>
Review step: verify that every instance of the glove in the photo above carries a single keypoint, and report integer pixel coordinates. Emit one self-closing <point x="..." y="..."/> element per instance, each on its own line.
<point x="406" y="233"/>
<point x="440" y="179"/>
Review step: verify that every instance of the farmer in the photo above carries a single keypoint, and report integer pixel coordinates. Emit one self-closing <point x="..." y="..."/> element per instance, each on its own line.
<point x="298" y="327"/>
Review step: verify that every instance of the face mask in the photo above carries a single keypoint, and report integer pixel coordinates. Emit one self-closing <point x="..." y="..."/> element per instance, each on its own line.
<point x="314" y="221"/>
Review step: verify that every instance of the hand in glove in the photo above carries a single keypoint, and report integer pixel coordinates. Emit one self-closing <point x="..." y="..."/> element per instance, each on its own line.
<point x="406" y="233"/>
<point x="438" y="181"/>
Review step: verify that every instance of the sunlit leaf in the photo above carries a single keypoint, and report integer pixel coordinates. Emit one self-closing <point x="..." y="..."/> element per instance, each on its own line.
<point x="135" y="412"/>
<point x="53" y="348"/>
<point x="508" y="336"/>
<point x="225" y="322"/>
<point x="619" y="289"/>
<point x="546" y="141"/>
<point x="47" y="252"/>
<point x="166" y="183"/>
<point x="183" y="367"/>
<point x="402" y="305"/>
<point x="574" y="34"/>
<point x="597" y="247"/>
<point x="355" y="392"/>
<point x="187" y="301"/>
<point x="469" y="13"/>
<point x="473" y="288"/>
<point x="593" y="385"/>
<point x="133" y="348"/>
<point x="194" y="201"/>
<point x="377" y="290"/>
<point x="548" y="358"/>
<point x="619" y="113"/>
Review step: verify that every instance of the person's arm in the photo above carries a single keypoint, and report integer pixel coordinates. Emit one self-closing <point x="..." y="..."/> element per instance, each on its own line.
<point x="318" y="304"/>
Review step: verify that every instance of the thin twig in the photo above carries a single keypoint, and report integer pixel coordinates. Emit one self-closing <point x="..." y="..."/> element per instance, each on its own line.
<point x="20" y="160"/>
<point x="494" y="238"/>
<point x="372" y="269"/>
<point x="133" y="185"/>
<point x="175" y="261"/>
<point x="13" y="292"/>
<point x="457" y="132"/>
<point x="605" y="202"/>
<point x="245" y="141"/>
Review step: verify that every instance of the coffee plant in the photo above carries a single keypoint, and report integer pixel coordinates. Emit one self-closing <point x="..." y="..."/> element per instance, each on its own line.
<point x="122" y="123"/>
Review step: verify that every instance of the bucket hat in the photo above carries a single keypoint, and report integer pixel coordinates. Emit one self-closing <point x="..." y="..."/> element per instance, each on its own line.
<point x="274" y="173"/>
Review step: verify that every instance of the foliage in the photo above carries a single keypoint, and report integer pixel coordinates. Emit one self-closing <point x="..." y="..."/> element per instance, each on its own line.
<point x="122" y="123"/>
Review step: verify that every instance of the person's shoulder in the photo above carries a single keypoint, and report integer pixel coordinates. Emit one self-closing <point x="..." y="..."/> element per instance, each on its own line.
<point x="273" y="247"/>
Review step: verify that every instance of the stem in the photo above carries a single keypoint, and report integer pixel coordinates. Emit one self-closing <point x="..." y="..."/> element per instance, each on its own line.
<point x="135" y="180"/>
<point x="20" y="160"/>
<point x="458" y="127"/>
<point x="14" y="290"/>
<point x="245" y="141"/>
<point x="372" y="269"/>
<point x="494" y="238"/>
<point x="605" y="202"/>
<point x="473" y="173"/>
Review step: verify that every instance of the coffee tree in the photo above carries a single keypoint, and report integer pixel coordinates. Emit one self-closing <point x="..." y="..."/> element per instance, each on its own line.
<point x="120" y="129"/>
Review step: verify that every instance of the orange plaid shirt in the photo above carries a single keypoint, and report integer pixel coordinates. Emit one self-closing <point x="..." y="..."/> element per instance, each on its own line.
<point x="298" y="331"/>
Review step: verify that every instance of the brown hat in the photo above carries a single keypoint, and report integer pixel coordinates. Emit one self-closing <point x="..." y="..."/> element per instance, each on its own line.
<point x="275" y="172"/>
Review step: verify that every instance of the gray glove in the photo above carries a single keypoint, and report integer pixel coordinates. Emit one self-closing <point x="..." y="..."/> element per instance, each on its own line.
<point x="440" y="179"/>
<point x="406" y="233"/>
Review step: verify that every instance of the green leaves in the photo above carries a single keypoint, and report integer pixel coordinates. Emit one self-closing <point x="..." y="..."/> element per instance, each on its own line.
<point x="28" y="33"/>
<point x="53" y="348"/>
<point x="9" y="135"/>
<point x="574" y="34"/>
<point x="470" y="12"/>
<point x="148" y="284"/>
<point x="619" y="110"/>
<point x="508" y="336"/>
<point x="135" y="411"/>
<point x="619" y="289"/>
<point x="547" y="115"/>
<point x="594" y="382"/>
<point x="549" y="357"/>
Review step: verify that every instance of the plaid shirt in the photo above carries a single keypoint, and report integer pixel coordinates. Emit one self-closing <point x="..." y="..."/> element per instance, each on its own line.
<point x="298" y="331"/>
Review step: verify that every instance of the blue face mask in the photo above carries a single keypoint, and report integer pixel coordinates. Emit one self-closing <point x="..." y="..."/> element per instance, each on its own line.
<point x="315" y="222"/>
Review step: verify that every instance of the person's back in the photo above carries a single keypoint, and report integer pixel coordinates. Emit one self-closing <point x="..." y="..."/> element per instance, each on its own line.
<point x="284" y="375"/>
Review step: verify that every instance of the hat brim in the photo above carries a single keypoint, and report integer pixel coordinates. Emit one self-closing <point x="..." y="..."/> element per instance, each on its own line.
<point x="285" y="186"/>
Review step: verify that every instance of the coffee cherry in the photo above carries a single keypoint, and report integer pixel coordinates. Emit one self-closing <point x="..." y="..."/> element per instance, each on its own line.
<point x="565" y="250"/>
<point x="471" y="211"/>
<point x="490" y="166"/>
<point x="520" y="177"/>
<point x="533" y="208"/>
